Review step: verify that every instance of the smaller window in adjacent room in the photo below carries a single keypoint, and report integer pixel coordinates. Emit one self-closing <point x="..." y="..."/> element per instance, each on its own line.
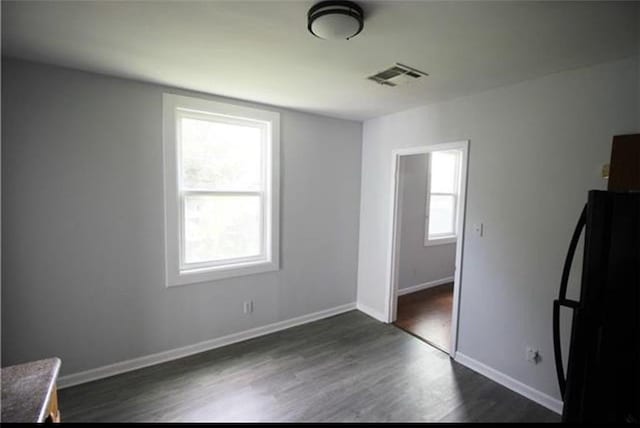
<point x="443" y="189"/>
<point x="221" y="189"/>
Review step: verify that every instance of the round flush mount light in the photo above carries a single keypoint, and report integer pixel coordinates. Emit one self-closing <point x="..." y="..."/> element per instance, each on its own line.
<point x="335" y="20"/>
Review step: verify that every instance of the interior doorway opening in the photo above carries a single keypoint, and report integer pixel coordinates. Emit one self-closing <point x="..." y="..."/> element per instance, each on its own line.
<point x="429" y="186"/>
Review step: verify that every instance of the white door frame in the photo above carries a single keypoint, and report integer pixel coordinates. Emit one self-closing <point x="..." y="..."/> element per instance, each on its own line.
<point x="392" y="284"/>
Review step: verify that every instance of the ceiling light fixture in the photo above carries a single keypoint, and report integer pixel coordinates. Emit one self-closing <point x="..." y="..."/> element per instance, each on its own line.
<point x="335" y="20"/>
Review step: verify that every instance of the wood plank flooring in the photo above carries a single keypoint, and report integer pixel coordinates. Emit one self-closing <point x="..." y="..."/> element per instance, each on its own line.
<point x="348" y="368"/>
<point x="427" y="314"/>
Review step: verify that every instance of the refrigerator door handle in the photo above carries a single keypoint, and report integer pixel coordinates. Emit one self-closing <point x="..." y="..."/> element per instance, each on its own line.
<point x="563" y="301"/>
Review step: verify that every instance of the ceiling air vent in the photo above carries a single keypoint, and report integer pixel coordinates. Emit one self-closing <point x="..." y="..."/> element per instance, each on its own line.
<point x="397" y="75"/>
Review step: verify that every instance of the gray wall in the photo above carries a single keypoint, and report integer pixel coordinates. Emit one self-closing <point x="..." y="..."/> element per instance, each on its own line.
<point x="83" y="224"/>
<point x="535" y="149"/>
<point x="418" y="264"/>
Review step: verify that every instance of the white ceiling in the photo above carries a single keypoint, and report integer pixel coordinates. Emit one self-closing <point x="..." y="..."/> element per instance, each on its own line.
<point x="261" y="50"/>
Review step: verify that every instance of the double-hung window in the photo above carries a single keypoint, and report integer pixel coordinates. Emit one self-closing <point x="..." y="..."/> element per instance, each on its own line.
<point x="443" y="189"/>
<point x="221" y="189"/>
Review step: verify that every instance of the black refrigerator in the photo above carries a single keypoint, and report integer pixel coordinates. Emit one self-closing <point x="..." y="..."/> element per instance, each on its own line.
<point x="602" y="381"/>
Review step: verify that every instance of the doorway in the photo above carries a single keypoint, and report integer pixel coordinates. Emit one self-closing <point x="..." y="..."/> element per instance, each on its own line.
<point x="429" y="194"/>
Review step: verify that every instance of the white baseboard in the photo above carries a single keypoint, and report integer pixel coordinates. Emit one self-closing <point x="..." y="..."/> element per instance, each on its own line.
<point x="424" y="285"/>
<point x="372" y="312"/>
<point x="173" y="354"/>
<point x="539" y="397"/>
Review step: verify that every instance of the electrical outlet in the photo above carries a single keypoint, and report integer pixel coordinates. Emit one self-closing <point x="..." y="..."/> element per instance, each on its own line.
<point x="248" y="306"/>
<point x="533" y="355"/>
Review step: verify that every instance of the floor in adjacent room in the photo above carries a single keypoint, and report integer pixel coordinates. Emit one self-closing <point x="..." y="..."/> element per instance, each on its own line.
<point x="346" y="368"/>
<point x="427" y="314"/>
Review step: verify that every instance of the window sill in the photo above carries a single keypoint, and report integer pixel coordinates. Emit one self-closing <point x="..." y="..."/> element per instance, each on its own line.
<point x="441" y="241"/>
<point x="216" y="273"/>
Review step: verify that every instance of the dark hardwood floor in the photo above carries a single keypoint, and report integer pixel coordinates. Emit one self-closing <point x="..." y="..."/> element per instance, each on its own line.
<point x="427" y="314"/>
<point x="346" y="368"/>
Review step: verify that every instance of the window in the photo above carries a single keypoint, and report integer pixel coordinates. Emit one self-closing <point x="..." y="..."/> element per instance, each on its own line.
<point x="221" y="189"/>
<point x="443" y="188"/>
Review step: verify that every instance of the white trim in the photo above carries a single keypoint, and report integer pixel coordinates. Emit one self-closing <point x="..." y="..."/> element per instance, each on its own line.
<point x="440" y="241"/>
<point x="461" y="215"/>
<point x="174" y="354"/>
<point x="394" y="237"/>
<point x="391" y="295"/>
<point x="371" y="312"/>
<point x="532" y="394"/>
<point x="398" y="235"/>
<point x="423" y="286"/>
<point x="176" y="271"/>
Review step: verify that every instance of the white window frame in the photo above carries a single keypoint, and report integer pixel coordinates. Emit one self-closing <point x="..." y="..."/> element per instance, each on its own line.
<point x="177" y="272"/>
<point x="447" y="238"/>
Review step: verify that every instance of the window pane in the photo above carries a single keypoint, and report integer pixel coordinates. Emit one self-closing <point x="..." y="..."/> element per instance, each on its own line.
<point x="441" y="215"/>
<point x="444" y="168"/>
<point x="220" y="156"/>
<point x="219" y="227"/>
